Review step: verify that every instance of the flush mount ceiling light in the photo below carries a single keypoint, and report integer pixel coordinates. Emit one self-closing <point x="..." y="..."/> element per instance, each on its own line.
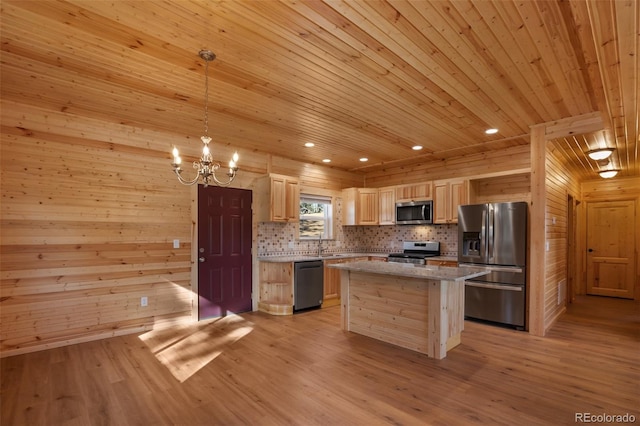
<point x="607" y="174"/>
<point x="416" y="148"/>
<point x="206" y="167"/>
<point x="600" y="154"/>
<point x="364" y="159"/>
<point x="326" y="160"/>
<point x="491" y="131"/>
<point x="309" y="144"/>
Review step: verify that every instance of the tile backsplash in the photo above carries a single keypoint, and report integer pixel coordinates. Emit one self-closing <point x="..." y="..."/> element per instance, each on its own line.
<point x="278" y="239"/>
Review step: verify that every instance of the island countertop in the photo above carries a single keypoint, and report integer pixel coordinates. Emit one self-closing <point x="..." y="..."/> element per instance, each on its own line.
<point x="440" y="273"/>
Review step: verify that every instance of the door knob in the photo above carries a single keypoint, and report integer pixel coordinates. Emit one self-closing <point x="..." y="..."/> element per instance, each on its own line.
<point x="201" y="259"/>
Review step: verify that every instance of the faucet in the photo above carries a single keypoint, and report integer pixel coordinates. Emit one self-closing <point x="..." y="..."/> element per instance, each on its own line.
<point x="320" y="245"/>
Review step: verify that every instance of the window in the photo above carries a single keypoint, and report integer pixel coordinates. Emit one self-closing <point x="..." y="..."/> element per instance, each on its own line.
<point x="315" y="217"/>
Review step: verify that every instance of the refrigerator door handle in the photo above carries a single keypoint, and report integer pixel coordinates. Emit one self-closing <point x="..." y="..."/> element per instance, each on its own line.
<point x="516" y="269"/>
<point x="494" y="286"/>
<point x="483" y="237"/>
<point x="490" y="235"/>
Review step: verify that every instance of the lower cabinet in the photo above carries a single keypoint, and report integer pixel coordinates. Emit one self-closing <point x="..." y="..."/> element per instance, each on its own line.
<point x="276" y="288"/>
<point x="451" y="263"/>
<point x="332" y="281"/>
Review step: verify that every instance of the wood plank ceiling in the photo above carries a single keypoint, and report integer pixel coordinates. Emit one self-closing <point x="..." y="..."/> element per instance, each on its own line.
<point x="357" y="78"/>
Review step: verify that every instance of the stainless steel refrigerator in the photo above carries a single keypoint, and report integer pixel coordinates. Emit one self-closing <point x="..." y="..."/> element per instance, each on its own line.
<point x="495" y="236"/>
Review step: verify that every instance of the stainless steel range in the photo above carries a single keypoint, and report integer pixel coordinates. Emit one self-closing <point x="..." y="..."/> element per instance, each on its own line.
<point x="416" y="252"/>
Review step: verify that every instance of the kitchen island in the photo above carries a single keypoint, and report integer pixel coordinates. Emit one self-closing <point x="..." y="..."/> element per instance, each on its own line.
<point x="417" y="307"/>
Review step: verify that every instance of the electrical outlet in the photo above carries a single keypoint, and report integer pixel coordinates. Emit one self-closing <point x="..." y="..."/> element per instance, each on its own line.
<point x="144" y="301"/>
<point x="176" y="243"/>
<point x="290" y="244"/>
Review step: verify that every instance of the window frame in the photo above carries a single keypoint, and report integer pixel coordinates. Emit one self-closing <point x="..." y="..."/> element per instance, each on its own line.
<point x="328" y="218"/>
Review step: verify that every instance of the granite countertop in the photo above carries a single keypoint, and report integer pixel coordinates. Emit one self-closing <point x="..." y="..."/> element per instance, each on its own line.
<point x="326" y="256"/>
<point x="441" y="273"/>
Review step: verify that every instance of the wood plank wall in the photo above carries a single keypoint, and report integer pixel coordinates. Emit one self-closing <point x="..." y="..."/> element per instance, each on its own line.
<point x="560" y="183"/>
<point x="89" y="213"/>
<point x="515" y="158"/>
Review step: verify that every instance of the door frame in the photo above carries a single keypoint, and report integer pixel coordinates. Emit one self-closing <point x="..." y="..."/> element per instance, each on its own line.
<point x="195" y="289"/>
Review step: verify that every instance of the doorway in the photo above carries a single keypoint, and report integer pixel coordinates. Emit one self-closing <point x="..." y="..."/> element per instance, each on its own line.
<point x="224" y="251"/>
<point x="572" y="270"/>
<point x="610" y="248"/>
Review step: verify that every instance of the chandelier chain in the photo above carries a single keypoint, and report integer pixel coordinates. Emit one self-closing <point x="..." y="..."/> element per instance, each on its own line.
<point x="206" y="98"/>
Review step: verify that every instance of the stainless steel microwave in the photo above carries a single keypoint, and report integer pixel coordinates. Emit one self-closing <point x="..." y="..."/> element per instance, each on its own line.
<point x="414" y="213"/>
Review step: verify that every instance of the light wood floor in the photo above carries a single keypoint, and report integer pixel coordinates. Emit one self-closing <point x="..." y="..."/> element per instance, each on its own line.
<point x="257" y="369"/>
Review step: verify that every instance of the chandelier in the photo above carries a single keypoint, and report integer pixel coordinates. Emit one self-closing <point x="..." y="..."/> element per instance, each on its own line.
<point x="206" y="167"/>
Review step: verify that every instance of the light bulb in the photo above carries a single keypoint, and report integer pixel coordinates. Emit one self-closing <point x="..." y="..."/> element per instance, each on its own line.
<point x="205" y="150"/>
<point x="175" y="152"/>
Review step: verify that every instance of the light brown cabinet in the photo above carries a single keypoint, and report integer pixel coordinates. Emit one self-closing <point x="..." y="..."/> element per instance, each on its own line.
<point x="360" y="206"/>
<point x="448" y="195"/>
<point x="276" y="288"/>
<point x="331" y="281"/>
<point x="387" y="197"/>
<point x="278" y="199"/>
<point x="450" y="263"/>
<point x="414" y="192"/>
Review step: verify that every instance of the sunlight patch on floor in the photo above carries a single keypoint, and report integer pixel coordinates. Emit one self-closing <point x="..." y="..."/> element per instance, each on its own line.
<point x="186" y="348"/>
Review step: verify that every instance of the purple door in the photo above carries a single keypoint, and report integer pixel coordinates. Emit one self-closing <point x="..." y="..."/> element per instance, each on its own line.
<point x="224" y="252"/>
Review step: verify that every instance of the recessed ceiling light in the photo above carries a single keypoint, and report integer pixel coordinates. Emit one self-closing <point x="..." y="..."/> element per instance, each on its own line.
<point x="416" y="148"/>
<point x="363" y="159"/>
<point x="491" y="131"/>
<point x="607" y="174"/>
<point x="600" y="154"/>
<point x="309" y="144"/>
<point x="326" y="160"/>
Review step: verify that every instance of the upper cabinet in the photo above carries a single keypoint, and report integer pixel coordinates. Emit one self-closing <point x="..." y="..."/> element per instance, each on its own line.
<point x="414" y="192"/>
<point x="387" y="197"/>
<point x="278" y="199"/>
<point x="448" y="195"/>
<point x="360" y="206"/>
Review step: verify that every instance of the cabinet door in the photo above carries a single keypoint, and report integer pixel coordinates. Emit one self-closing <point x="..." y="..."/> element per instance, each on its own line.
<point x="387" y="198"/>
<point x="448" y="195"/>
<point x="331" y="283"/>
<point x="414" y="192"/>
<point x="440" y="201"/>
<point x="285" y="199"/>
<point x="278" y="199"/>
<point x="292" y="200"/>
<point x="367" y="206"/>
<point x="459" y="196"/>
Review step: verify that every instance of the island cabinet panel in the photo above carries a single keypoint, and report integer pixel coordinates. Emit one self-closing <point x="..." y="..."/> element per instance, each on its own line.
<point x="376" y="301"/>
<point x="423" y="315"/>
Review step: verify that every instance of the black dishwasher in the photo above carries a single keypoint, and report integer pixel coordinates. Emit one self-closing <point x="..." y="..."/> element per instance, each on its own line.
<point x="308" y="284"/>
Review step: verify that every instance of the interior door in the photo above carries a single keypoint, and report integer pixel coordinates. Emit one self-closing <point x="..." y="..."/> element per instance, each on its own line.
<point x="224" y="252"/>
<point x="611" y="243"/>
